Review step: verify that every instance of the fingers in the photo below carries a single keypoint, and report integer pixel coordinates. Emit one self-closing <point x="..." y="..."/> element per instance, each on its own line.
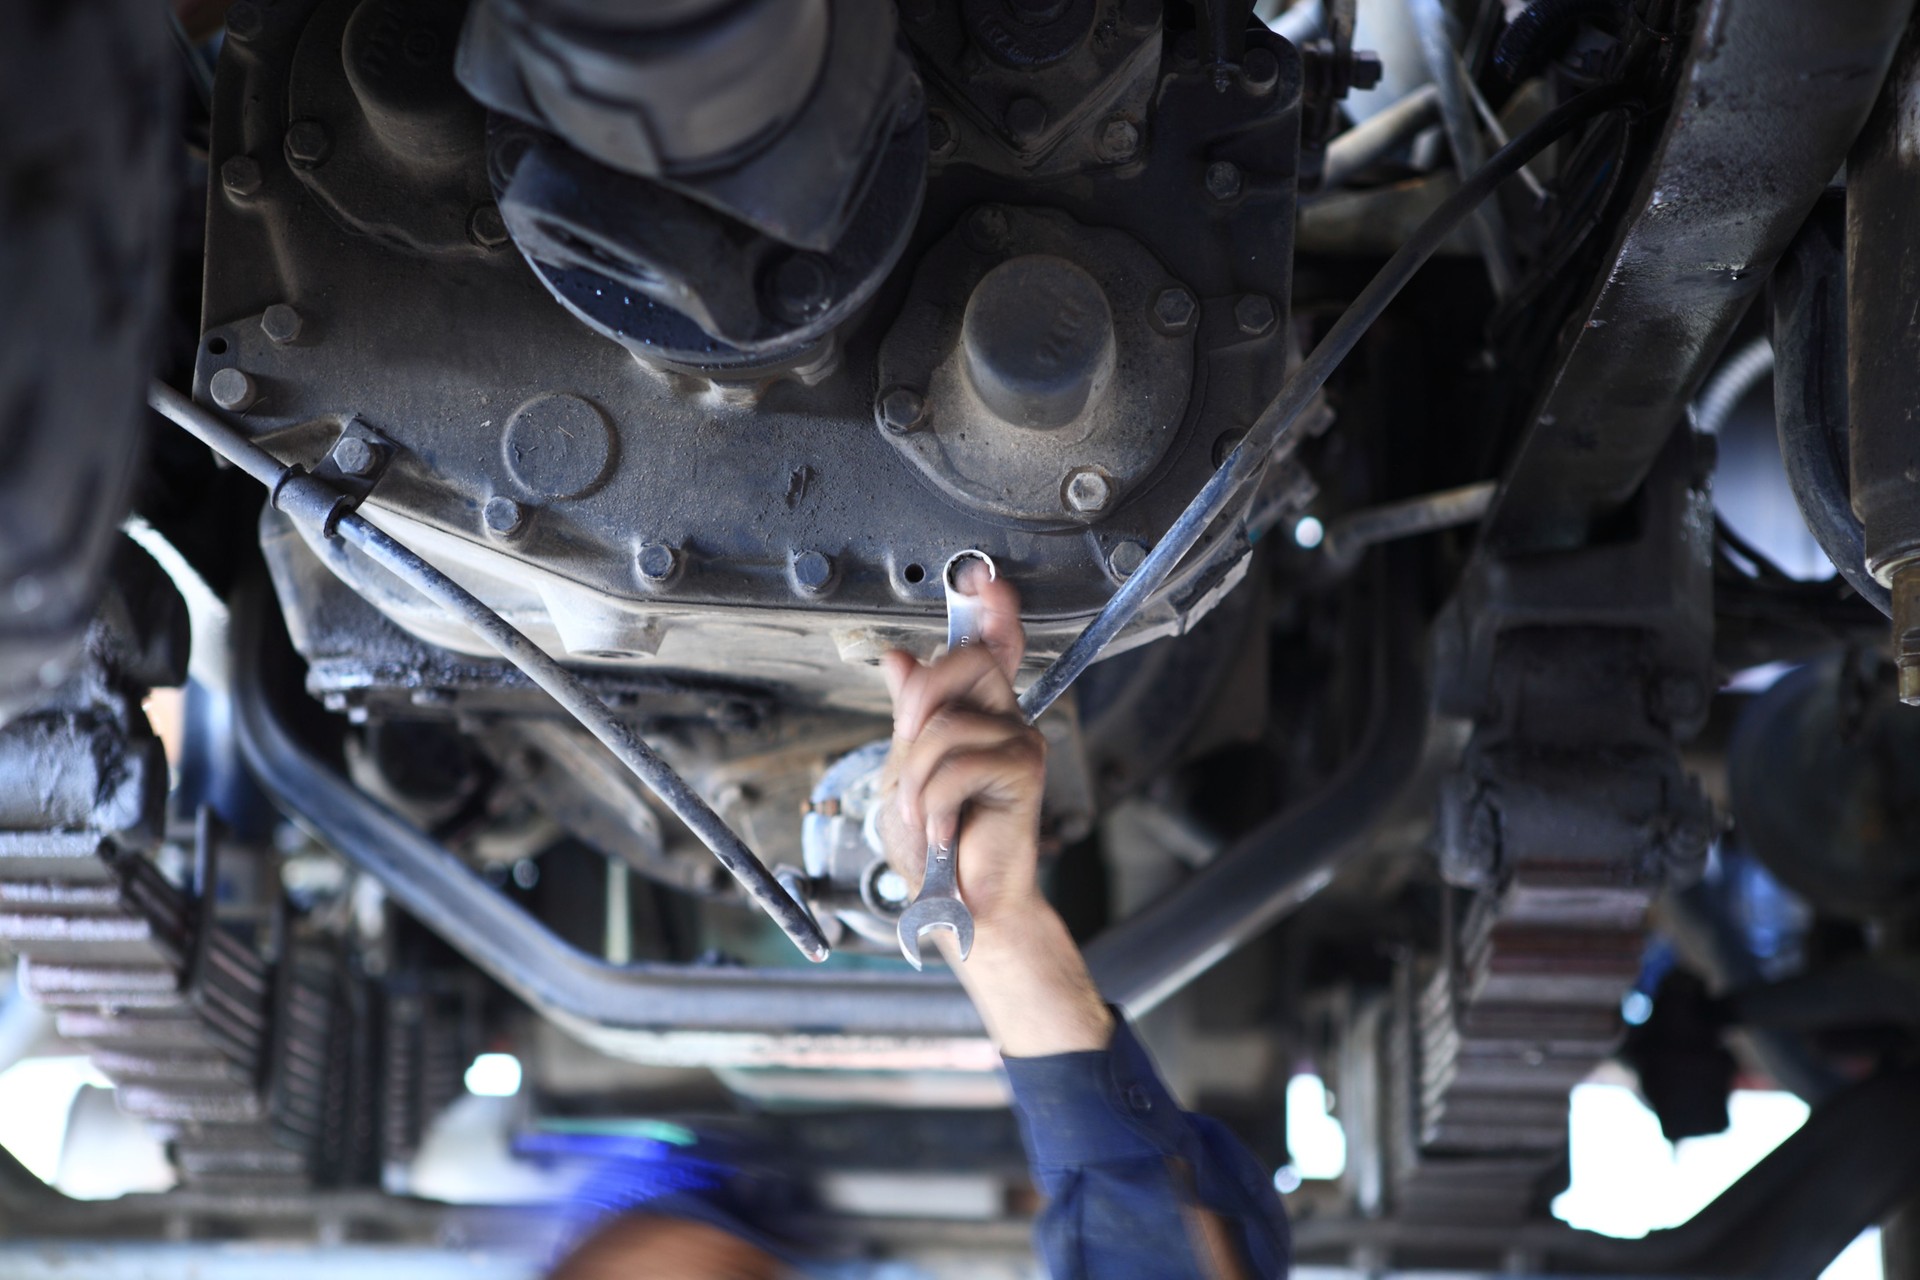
<point x="956" y="731"/>
<point x="1000" y="629"/>
<point x="971" y="677"/>
<point x="1000" y="775"/>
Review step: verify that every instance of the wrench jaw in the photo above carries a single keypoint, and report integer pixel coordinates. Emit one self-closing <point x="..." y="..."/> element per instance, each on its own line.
<point x="935" y="914"/>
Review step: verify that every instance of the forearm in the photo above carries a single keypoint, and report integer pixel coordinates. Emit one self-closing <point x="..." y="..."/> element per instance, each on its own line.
<point x="1031" y="986"/>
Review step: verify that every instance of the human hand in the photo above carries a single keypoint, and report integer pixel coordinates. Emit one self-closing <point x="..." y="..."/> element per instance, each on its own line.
<point x="962" y="750"/>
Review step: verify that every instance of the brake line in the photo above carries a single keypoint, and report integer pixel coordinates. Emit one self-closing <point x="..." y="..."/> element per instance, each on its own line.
<point x="306" y="497"/>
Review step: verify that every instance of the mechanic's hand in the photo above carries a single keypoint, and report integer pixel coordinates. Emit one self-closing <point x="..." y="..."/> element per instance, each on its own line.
<point x="961" y="749"/>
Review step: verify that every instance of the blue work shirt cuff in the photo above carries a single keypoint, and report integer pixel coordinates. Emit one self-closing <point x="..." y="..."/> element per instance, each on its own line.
<point x="1095" y="1107"/>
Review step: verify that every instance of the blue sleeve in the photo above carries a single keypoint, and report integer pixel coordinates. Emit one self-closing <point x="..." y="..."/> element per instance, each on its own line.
<point x="1124" y="1169"/>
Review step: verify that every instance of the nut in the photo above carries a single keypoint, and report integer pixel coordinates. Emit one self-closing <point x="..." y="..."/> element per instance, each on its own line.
<point x="1087" y="491"/>
<point x="503" y="516"/>
<point x="1259" y="70"/>
<point x="486" y="227"/>
<point x="1119" y="140"/>
<point x="1223" y="180"/>
<point x="1174" y="310"/>
<point x="811" y="572"/>
<point x="232" y="390"/>
<point x="900" y="410"/>
<point x="240" y="175"/>
<point x="307" y="143"/>
<point x="1254" y="314"/>
<point x="281" y="323"/>
<point x="1126" y="558"/>
<point x="355" y="457"/>
<point x="1026" y="121"/>
<point x="987" y="228"/>
<point x="656" y="563"/>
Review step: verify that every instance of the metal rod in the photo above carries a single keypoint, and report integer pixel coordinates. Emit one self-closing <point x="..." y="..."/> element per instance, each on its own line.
<point x="1378" y="135"/>
<point x="1279" y="420"/>
<point x="302" y="496"/>
<point x="1354" y="532"/>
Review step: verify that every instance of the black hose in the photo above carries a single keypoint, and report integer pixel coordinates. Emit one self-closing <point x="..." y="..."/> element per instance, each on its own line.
<point x="1808" y="296"/>
<point x="1540" y="30"/>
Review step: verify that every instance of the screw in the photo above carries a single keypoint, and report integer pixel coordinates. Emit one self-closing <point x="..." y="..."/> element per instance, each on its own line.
<point x="987" y="228"/>
<point x="1088" y="491"/>
<point x="1119" y="140"/>
<point x="656" y="563"/>
<point x="1126" y="558"/>
<point x="1260" y="70"/>
<point x="503" y="516"/>
<point x="486" y="227"/>
<point x="800" y="288"/>
<point x="1026" y="121"/>
<point x="1223" y="180"/>
<point x="355" y="457"/>
<point x="940" y="136"/>
<point x="1254" y="314"/>
<point x="240" y="175"/>
<point x="307" y="143"/>
<point x="244" y="21"/>
<point x="231" y="389"/>
<point x="1173" y="310"/>
<point x="281" y="323"/>
<point x="900" y="410"/>
<point x="812" y="573"/>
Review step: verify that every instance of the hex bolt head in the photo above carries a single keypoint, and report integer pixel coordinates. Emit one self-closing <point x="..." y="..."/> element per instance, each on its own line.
<point x="1087" y="491"/>
<point x="1223" y="180"/>
<point x="245" y="21"/>
<point x="1259" y="70"/>
<point x="1119" y="140"/>
<point x="900" y="409"/>
<point x="503" y="516"/>
<point x="240" y="175"/>
<point x="307" y="143"/>
<point x="1126" y="558"/>
<point x="355" y="457"/>
<point x="941" y="138"/>
<point x="657" y="563"/>
<point x="799" y="288"/>
<point x="1174" y="310"/>
<point x="232" y="390"/>
<point x="811" y="572"/>
<point x="987" y="228"/>
<point x="1254" y="314"/>
<point x="1026" y="121"/>
<point x="485" y="226"/>
<point x="281" y="323"/>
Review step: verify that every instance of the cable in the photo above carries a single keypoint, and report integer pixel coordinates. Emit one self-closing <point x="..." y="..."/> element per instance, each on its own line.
<point x="1278" y="420"/>
<point x="307" y="498"/>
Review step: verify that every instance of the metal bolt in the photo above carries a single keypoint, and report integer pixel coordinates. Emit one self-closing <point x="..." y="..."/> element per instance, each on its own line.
<point x="281" y="323"/>
<point x="1126" y="558"/>
<point x="800" y="288"/>
<point x="900" y="409"/>
<point x="1174" y="310"/>
<point x="232" y="390"/>
<point x="1119" y="140"/>
<point x="1087" y="491"/>
<point x="244" y="21"/>
<point x="941" y="139"/>
<point x="307" y="143"/>
<point x="1254" y="314"/>
<point x="1026" y="121"/>
<point x="503" y="516"/>
<point x="240" y="175"/>
<point x="987" y="228"/>
<point x="1906" y="630"/>
<point x="1260" y="70"/>
<point x="656" y="563"/>
<point x="355" y="457"/>
<point x="812" y="572"/>
<point x="486" y="227"/>
<point x="1223" y="180"/>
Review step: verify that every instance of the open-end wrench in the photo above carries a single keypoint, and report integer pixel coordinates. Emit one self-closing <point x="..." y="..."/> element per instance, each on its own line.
<point x="938" y="905"/>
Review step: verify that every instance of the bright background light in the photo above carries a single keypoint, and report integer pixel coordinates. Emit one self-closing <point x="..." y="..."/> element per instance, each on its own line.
<point x="36" y="1097"/>
<point x="1308" y="532"/>
<point x="1315" y="1139"/>
<point x="494" y="1075"/>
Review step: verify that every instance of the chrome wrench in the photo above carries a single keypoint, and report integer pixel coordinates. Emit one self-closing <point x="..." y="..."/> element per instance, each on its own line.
<point x="938" y="905"/>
